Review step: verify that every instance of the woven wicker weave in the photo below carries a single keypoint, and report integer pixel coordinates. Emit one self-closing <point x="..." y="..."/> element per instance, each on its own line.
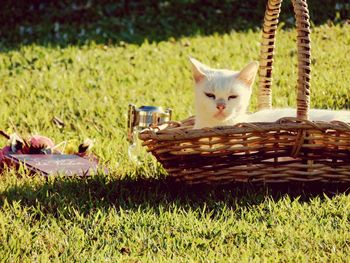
<point x="292" y="149"/>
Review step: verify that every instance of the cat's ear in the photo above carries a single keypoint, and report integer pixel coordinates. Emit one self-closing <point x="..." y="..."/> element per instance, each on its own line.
<point x="197" y="69"/>
<point x="247" y="75"/>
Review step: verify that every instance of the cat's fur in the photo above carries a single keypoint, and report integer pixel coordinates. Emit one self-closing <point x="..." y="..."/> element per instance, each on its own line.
<point x="215" y="107"/>
<point x="221" y="96"/>
<point x="272" y="115"/>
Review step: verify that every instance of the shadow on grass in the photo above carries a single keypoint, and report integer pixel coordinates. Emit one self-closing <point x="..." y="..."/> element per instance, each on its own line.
<point x="63" y="23"/>
<point x="88" y="194"/>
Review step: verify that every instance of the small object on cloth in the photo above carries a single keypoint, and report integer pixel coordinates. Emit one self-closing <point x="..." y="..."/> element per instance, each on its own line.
<point x="85" y="146"/>
<point x="40" y="144"/>
<point x="54" y="164"/>
<point x="16" y="142"/>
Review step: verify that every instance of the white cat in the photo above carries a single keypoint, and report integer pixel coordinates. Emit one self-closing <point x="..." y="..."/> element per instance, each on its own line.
<point x="272" y="115"/>
<point x="222" y="98"/>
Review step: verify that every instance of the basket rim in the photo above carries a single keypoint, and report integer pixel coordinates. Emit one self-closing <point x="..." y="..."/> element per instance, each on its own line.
<point x="184" y="130"/>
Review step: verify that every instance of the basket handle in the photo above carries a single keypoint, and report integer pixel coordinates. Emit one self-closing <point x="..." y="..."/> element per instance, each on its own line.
<point x="272" y="12"/>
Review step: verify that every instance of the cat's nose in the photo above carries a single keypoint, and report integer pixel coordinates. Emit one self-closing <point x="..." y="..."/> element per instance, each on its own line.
<point x="220" y="106"/>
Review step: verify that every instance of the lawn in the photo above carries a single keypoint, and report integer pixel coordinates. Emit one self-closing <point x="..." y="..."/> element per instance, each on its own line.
<point x="135" y="213"/>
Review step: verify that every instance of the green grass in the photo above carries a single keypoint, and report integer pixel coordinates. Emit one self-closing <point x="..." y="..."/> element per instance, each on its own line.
<point x="124" y="216"/>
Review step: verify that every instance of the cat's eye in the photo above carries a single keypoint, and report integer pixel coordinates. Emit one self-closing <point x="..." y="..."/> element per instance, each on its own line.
<point x="232" y="97"/>
<point x="210" y="95"/>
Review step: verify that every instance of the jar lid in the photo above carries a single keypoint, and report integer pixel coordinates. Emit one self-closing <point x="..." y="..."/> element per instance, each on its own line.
<point x="151" y="109"/>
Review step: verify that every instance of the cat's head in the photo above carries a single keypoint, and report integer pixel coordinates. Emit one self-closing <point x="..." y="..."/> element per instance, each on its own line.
<point x="221" y="95"/>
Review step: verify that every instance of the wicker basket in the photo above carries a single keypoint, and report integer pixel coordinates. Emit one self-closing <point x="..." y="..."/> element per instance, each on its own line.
<point x="291" y="149"/>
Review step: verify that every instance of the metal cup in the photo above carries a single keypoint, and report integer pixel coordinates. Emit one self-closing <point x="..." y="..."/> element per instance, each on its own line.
<point x="144" y="117"/>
